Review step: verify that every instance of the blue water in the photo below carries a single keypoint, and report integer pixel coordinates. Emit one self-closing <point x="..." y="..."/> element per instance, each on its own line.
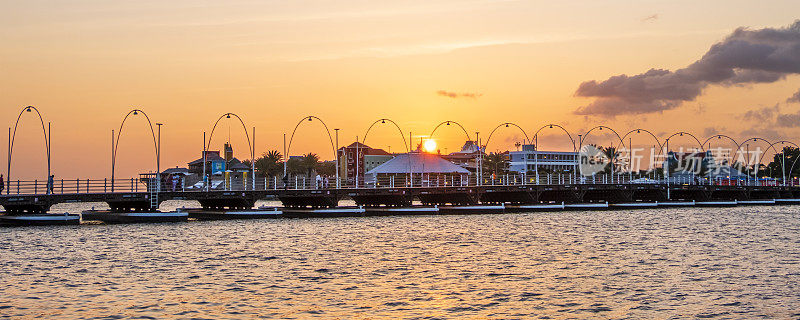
<point x="726" y="263"/>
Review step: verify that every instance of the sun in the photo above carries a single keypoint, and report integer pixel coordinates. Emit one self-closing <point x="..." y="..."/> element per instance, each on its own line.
<point x="429" y="145"/>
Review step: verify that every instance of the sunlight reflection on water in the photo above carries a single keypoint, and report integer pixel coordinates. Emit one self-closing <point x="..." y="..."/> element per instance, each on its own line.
<point x="710" y="263"/>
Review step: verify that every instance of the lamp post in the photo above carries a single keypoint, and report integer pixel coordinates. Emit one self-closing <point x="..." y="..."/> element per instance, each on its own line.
<point x="336" y="155"/>
<point x="158" y="157"/>
<point x="577" y="158"/>
<point x="479" y="160"/>
<point x="666" y="170"/>
<point x="12" y="136"/>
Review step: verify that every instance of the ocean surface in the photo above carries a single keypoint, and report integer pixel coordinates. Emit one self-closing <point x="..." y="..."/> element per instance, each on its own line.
<point x="717" y="263"/>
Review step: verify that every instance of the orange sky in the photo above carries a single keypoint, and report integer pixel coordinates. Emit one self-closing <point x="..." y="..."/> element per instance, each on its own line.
<point x="85" y="64"/>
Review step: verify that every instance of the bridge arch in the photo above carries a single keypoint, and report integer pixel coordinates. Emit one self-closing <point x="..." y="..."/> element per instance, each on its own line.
<point x="333" y="146"/>
<point x="551" y="126"/>
<point x="119" y="133"/>
<point x="783" y="157"/>
<point x="507" y="125"/>
<point x="640" y="130"/>
<point x="448" y="123"/>
<point x="14" y="136"/>
<point x="208" y="145"/>
<point x="720" y="136"/>
<point x="754" y="139"/>
<point x="382" y="121"/>
<point x="681" y="134"/>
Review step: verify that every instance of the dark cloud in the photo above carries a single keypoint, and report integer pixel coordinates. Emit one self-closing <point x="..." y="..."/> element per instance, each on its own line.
<point x="764" y="133"/>
<point x="761" y="115"/>
<point x="454" y="95"/>
<point x="789" y="120"/>
<point x="744" y="57"/>
<point x="794" y="98"/>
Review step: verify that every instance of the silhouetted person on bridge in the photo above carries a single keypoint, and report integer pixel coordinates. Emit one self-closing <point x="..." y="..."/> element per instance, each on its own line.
<point x="2" y="183"/>
<point x="285" y="182"/>
<point x="50" y="184"/>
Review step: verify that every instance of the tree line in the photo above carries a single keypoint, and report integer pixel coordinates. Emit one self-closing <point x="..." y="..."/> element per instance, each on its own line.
<point x="270" y="164"/>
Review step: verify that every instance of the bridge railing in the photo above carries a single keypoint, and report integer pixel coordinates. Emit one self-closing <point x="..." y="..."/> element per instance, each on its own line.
<point x="73" y="186"/>
<point x="440" y="180"/>
<point x="88" y="186"/>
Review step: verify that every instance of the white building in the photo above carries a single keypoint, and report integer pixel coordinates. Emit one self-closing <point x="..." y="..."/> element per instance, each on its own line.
<point x="547" y="161"/>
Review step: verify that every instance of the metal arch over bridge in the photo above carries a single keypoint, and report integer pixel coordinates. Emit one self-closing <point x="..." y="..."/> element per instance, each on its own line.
<point x="383" y="120"/>
<point x="250" y="144"/>
<point x="448" y="123"/>
<point x="115" y="141"/>
<point x="550" y="126"/>
<point x="506" y="124"/>
<point x="433" y="189"/>
<point x="680" y="134"/>
<point x="12" y="137"/>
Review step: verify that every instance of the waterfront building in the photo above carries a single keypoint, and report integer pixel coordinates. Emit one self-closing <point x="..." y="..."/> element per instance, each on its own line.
<point x="542" y="161"/>
<point x="215" y="164"/>
<point x="358" y="158"/>
<point x="227" y="168"/>
<point x="465" y="157"/>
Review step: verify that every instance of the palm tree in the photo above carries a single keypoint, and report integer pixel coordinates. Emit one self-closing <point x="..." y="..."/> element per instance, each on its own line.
<point x="612" y="154"/>
<point x="495" y="163"/>
<point x="270" y="164"/>
<point x="309" y="161"/>
<point x="294" y="166"/>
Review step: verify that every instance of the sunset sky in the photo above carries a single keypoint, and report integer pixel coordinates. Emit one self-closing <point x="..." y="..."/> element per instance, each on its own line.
<point x="85" y="64"/>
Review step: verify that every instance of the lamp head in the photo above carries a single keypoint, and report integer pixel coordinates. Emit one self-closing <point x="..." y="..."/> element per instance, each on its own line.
<point x="551" y="126"/>
<point x="506" y="125"/>
<point x="448" y="123"/>
<point x="135" y="112"/>
<point x="383" y="120"/>
<point x="637" y="131"/>
<point x="228" y="116"/>
<point x="309" y="118"/>
<point x="28" y="109"/>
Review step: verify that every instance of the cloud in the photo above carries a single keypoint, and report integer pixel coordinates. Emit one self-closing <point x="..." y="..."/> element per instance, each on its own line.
<point x="710" y="131"/>
<point x="765" y="114"/>
<point x="649" y="18"/>
<point x="455" y="95"/>
<point x="794" y="98"/>
<point x="764" y="133"/>
<point x="789" y="120"/>
<point x="744" y="57"/>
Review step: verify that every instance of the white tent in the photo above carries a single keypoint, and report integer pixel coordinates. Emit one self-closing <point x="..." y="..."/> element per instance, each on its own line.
<point x="416" y="163"/>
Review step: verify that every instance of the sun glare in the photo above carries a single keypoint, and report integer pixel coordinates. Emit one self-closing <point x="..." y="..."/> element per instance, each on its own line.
<point x="429" y="145"/>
